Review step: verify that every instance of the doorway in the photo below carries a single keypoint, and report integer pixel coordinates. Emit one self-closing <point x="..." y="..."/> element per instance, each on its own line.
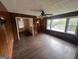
<point x="24" y="26"/>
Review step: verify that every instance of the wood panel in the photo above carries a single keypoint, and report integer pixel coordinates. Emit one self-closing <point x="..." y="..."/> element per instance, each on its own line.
<point x="6" y="35"/>
<point x="70" y="14"/>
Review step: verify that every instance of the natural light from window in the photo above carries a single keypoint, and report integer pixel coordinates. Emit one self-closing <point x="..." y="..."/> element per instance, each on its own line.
<point x="58" y="24"/>
<point x="72" y="26"/>
<point x="67" y="25"/>
<point x="48" y="24"/>
<point x="21" y="23"/>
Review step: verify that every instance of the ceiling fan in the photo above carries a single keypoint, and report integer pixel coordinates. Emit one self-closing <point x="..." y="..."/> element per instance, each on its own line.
<point x="42" y="12"/>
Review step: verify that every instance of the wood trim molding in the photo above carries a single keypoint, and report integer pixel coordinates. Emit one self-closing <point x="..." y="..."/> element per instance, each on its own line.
<point x="22" y="15"/>
<point x="75" y="13"/>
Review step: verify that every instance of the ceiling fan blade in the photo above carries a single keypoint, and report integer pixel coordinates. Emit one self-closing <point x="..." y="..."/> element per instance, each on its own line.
<point x="48" y="14"/>
<point x="42" y="12"/>
<point x="36" y="10"/>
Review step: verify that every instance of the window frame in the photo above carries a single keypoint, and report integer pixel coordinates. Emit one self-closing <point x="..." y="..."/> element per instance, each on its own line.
<point x="66" y="25"/>
<point x="58" y="19"/>
<point x="46" y="24"/>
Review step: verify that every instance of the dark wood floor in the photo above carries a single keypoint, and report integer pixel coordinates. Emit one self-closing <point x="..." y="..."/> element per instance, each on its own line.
<point x="43" y="46"/>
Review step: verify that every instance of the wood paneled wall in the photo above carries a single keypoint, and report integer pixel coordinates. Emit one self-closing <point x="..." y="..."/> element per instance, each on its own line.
<point x="6" y="35"/>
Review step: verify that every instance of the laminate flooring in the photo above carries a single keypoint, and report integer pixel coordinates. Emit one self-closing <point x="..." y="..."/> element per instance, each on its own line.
<point x="43" y="46"/>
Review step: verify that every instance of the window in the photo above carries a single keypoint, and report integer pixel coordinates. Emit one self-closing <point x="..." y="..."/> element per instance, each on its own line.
<point x="48" y="24"/>
<point x="67" y="25"/>
<point x="58" y="24"/>
<point x="21" y="23"/>
<point x="72" y="25"/>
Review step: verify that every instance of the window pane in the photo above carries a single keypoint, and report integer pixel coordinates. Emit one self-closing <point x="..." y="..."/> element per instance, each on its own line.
<point x="21" y="23"/>
<point x="58" y="24"/>
<point x="48" y="24"/>
<point x="72" y="25"/>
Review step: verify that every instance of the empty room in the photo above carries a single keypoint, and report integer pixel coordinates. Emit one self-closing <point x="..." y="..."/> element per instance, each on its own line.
<point x="38" y="29"/>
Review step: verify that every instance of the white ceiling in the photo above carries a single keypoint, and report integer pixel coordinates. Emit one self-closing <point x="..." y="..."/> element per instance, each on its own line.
<point x="54" y="7"/>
